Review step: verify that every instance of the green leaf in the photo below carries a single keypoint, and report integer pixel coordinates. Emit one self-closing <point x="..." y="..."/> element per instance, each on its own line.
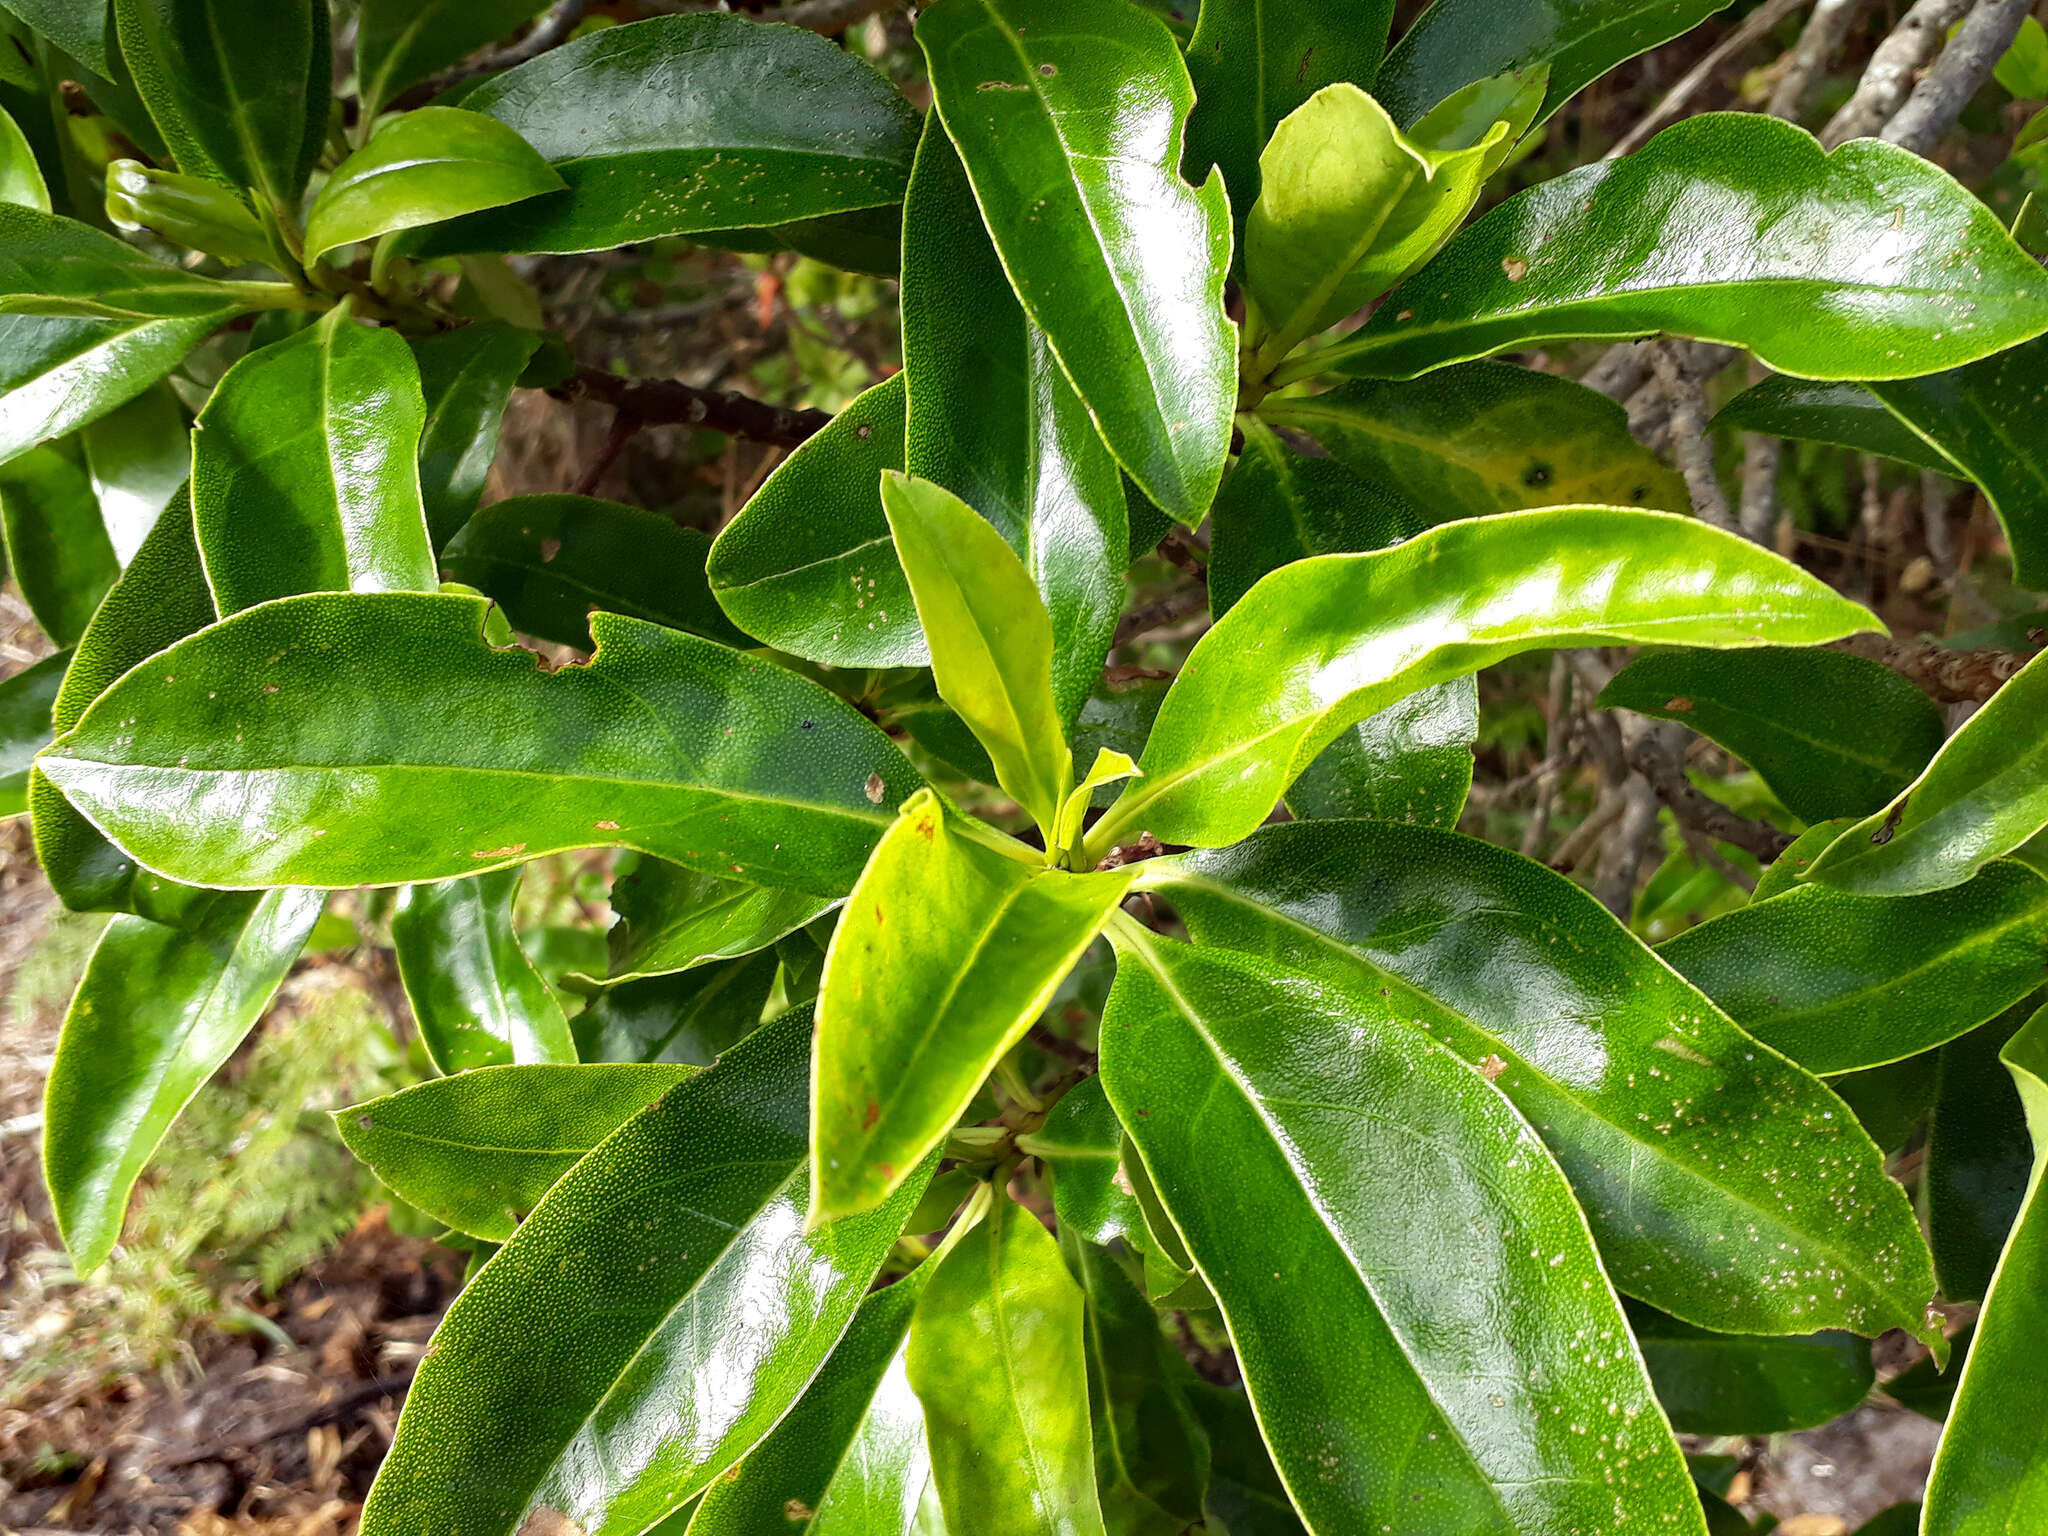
<point x="1479" y="438"/>
<point x="1385" y="1179"/>
<point x="1081" y="1144"/>
<point x="254" y="764"/>
<point x="996" y="1357"/>
<point x="1890" y="1101"/>
<point x="190" y="211"/>
<point x="993" y="419"/>
<point x="1340" y="637"/>
<point x="1151" y="1453"/>
<point x="1245" y="1496"/>
<point x="807" y="566"/>
<point x="1117" y="717"/>
<point x="26" y="699"/>
<point x="61" y="372"/>
<point x="1279" y="506"/>
<point x="425" y="167"/>
<point x="1847" y="415"/>
<point x="466" y="378"/>
<point x="1839" y="981"/>
<point x="682" y="1310"/>
<point x="1732" y="227"/>
<point x="1068" y="115"/>
<point x="688" y="125"/>
<point x="479" y="1149"/>
<point x="161" y="598"/>
<point x="238" y="88"/>
<point x="53" y="266"/>
<point x="138" y="457"/>
<point x="990" y="637"/>
<point x="156" y="1013"/>
<point x="675" y="919"/>
<point x="1412" y="762"/>
<point x="1466" y="116"/>
<point x="1783" y="873"/>
<point x="950" y="947"/>
<point x="1457" y="42"/>
<point x="1985" y="793"/>
<point x="57" y="545"/>
<point x="1637" y="1083"/>
<point x="1982" y="417"/>
<point x="2023" y="69"/>
<point x="475" y="995"/>
<point x="1832" y="735"/>
<point x="304" y="469"/>
<point x="1990" y="1475"/>
<point x="79" y="27"/>
<point x="1977" y="1164"/>
<point x="1350" y="206"/>
<point x="1735" y="1384"/>
<point x="1254" y="61"/>
<point x="21" y="179"/>
<point x="687" y="1017"/>
<point x="553" y="560"/>
<point x="850" y="1458"/>
<point x="399" y="42"/>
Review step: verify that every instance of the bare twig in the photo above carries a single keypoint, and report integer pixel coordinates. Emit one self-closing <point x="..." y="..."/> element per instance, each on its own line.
<point x="1965" y="64"/>
<point x="1557" y="754"/>
<point x="1758" y="513"/>
<point x="1936" y="491"/>
<point x="1893" y="64"/>
<point x="651" y="402"/>
<point x="830" y="16"/>
<point x="1654" y="755"/>
<point x="1753" y="29"/>
<point x="1690" y="444"/>
<point x="1171" y="609"/>
<point x="1817" y="45"/>
<point x="1624" y="848"/>
<point x="1580" y="840"/>
<point x="1946" y="676"/>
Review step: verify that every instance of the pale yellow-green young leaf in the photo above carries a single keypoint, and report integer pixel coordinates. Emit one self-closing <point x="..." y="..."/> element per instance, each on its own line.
<point x="1349" y="205"/>
<point x="990" y="639"/>
<point x="1109" y="766"/>
<point x="1467" y="116"/>
<point x="21" y="179"/>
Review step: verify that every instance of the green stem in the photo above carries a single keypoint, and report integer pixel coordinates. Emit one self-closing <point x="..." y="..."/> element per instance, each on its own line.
<point x="1015" y="1086"/>
<point x="259" y="295"/>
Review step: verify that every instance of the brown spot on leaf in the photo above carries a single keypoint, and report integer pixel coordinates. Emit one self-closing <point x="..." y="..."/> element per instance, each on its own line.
<point x="886" y="1170"/>
<point x="549" y="548"/>
<point x="606" y="826"/>
<point x="1491" y="1067"/>
<point x="1679" y="706"/>
<point x="1885" y="833"/>
<point x="795" y="1510"/>
<point x="1048" y="70"/>
<point x="543" y="1521"/>
<point x="870" y="1115"/>
<point x="505" y="852"/>
<point x="1515" y="267"/>
<point x="874" y="789"/>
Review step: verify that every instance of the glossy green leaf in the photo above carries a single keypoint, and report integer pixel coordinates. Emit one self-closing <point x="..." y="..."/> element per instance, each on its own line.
<point x="686" y="1017"/>
<point x="1381" y="1176"/>
<point x="850" y="1458"/>
<point x="54" y="266"/>
<point x="645" y="1326"/>
<point x="1985" y="794"/>
<point x="993" y="419"/>
<point x="26" y="700"/>
<point x="1151" y="1452"/>
<point x="401" y="41"/>
<point x="1839" y="981"/>
<point x="807" y="566"/>
<point x="1118" y="716"/>
<point x="1279" y="506"/>
<point x="466" y="379"/>
<point x="551" y="561"/>
<point x="57" y="546"/>
<point x="1254" y="61"/>
<point x="1990" y="1473"/>
<point x="1340" y="637"/>
<point x="689" y="124"/>
<point x="1479" y="438"/>
<point x="1832" y="735"/>
<point x="862" y="240"/>
<point x="161" y="598"/>
<point x="990" y="636"/>
<point x="156" y="1013"/>
<point x="238" y="88"/>
<point x="1983" y="418"/>
<point x="2023" y="68"/>
<point x="1736" y="1384"/>
<point x="675" y="919"/>
<point x="244" y="756"/>
<point x="1638" y="1085"/>
<point x="60" y="372"/>
<point x="1466" y="116"/>
<point x="1456" y="42"/>
<point x="425" y="167"/>
<point x="1245" y="1496"/>
<point x="1068" y="115"/>
<point x="996" y="1357"/>
<point x="1081" y="1144"/>
<point x="304" y="469"/>
<point x="21" y="179"/>
<point x="1977" y="1161"/>
<point x="477" y="998"/>
<point x="479" y="1149"/>
<point x="190" y="211"/>
<point x="1350" y="206"/>
<point x="949" y="949"/>
<point x="1847" y="415"/>
<point x="1783" y="873"/>
<point x="79" y="27"/>
<point x="1412" y="762"/>
<point x="1865" y="263"/>
<point x="1890" y="1101"/>
<point x="137" y="457"/>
